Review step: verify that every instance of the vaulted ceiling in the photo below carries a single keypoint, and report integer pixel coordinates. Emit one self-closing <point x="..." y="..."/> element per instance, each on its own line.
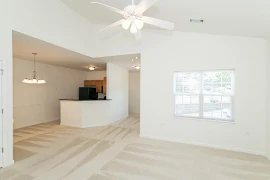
<point x="24" y="46"/>
<point x="227" y="17"/>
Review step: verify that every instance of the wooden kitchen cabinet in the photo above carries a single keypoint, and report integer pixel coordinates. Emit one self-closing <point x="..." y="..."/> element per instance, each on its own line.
<point x="89" y="83"/>
<point x="97" y="83"/>
<point x="86" y="83"/>
<point x="104" y="85"/>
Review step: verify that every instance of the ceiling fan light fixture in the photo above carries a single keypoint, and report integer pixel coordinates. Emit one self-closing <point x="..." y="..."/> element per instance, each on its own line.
<point x="126" y="24"/>
<point x="139" y="23"/>
<point x="133" y="28"/>
<point x="134" y="19"/>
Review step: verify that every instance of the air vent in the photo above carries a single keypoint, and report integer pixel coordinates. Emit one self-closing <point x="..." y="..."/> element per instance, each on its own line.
<point x="200" y="21"/>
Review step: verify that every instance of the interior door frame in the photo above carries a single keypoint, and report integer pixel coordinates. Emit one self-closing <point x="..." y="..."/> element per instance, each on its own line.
<point x="1" y="115"/>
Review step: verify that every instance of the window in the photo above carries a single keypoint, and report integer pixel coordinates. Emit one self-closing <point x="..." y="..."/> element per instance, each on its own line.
<point x="204" y="94"/>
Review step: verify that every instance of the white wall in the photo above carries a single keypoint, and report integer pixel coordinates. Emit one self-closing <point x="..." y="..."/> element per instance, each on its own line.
<point x="134" y="92"/>
<point x="64" y="28"/>
<point x="117" y="90"/>
<point x="190" y="51"/>
<point x="35" y="104"/>
<point x="96" y="75"/>
<point x="268" y="100"/>
<point x="67" y="29"/>
<point x="6" y="58"/>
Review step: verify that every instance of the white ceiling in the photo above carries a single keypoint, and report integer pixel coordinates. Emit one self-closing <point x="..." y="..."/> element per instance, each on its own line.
<point x="24" y="45"/>
<point x="126" y="61"/>
<point x="226" y="17"/>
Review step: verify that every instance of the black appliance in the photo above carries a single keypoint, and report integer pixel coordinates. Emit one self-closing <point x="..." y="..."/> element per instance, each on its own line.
<point x="87" y="93"/>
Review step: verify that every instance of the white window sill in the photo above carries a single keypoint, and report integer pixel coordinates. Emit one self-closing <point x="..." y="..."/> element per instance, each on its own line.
<point x="232" y="121"/>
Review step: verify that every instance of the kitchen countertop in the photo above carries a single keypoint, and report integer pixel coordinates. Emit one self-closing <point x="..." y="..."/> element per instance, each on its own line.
<point x="85" y="100"/>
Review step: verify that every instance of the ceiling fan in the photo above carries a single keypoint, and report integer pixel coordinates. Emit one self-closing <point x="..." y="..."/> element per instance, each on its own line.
<point x="133" y="18"/>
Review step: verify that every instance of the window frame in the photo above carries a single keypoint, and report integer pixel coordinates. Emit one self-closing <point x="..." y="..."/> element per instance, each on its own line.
<point x="201" y="97"/>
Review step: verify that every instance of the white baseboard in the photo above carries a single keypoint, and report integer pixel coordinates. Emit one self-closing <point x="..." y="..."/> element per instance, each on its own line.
<point x="96" y="125"/>
<point x="119" y="120"/>
<point x="90" y="126"/>
<point x="70" y="125"/>
<point x="31" y="124"/>
<point x="205" y="145"/>
<point x="8" y="164"/>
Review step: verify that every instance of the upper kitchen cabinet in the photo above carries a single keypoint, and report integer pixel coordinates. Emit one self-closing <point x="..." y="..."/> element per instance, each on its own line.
<point x="97" y="83"/>
<point x="99" y="87"/>
<point x="104" y="85"/>
<point x="89" y="83"/>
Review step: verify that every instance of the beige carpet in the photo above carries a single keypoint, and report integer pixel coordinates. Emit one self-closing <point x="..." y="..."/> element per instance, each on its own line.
<point x="52" y="152"/>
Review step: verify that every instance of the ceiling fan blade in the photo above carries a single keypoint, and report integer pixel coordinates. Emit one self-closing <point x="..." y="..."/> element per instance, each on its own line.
<point x="117" y="23"/>
<point x="110" y="8"/>
<point x="144" y="5"/>
<point x="159" y="23"/>
<point x="138" y="35"/>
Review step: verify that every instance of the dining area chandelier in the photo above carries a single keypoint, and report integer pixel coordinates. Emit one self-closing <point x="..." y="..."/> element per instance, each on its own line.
<point x="34" y="78"/>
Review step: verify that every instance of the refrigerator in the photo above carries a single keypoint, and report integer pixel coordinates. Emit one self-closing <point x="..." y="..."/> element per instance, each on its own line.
<point x="87" y="93"/>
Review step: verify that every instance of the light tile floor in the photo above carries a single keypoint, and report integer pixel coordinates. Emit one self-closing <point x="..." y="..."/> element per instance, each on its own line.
<point x="116" y="152"/>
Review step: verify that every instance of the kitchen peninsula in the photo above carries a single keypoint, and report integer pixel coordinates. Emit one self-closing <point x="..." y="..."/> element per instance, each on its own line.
<point x="86" y="113"/>
<point x="91" y="109"/>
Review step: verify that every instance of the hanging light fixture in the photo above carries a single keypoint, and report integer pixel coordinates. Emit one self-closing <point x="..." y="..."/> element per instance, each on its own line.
<point x="126" y="24"/>
<point x="34" y="79"/>
<point x="133" y="28"/>
<point x="139" y="23"/>
<point x="92" y="68"/>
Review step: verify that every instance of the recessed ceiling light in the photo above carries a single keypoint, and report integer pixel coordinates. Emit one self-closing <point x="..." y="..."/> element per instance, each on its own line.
<point x="136" y="57"/>
<point x="196" y="20"/>
<point x="92" y="68"/>
<point x="132" y="60"/>
<point x="138" y="67"/>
